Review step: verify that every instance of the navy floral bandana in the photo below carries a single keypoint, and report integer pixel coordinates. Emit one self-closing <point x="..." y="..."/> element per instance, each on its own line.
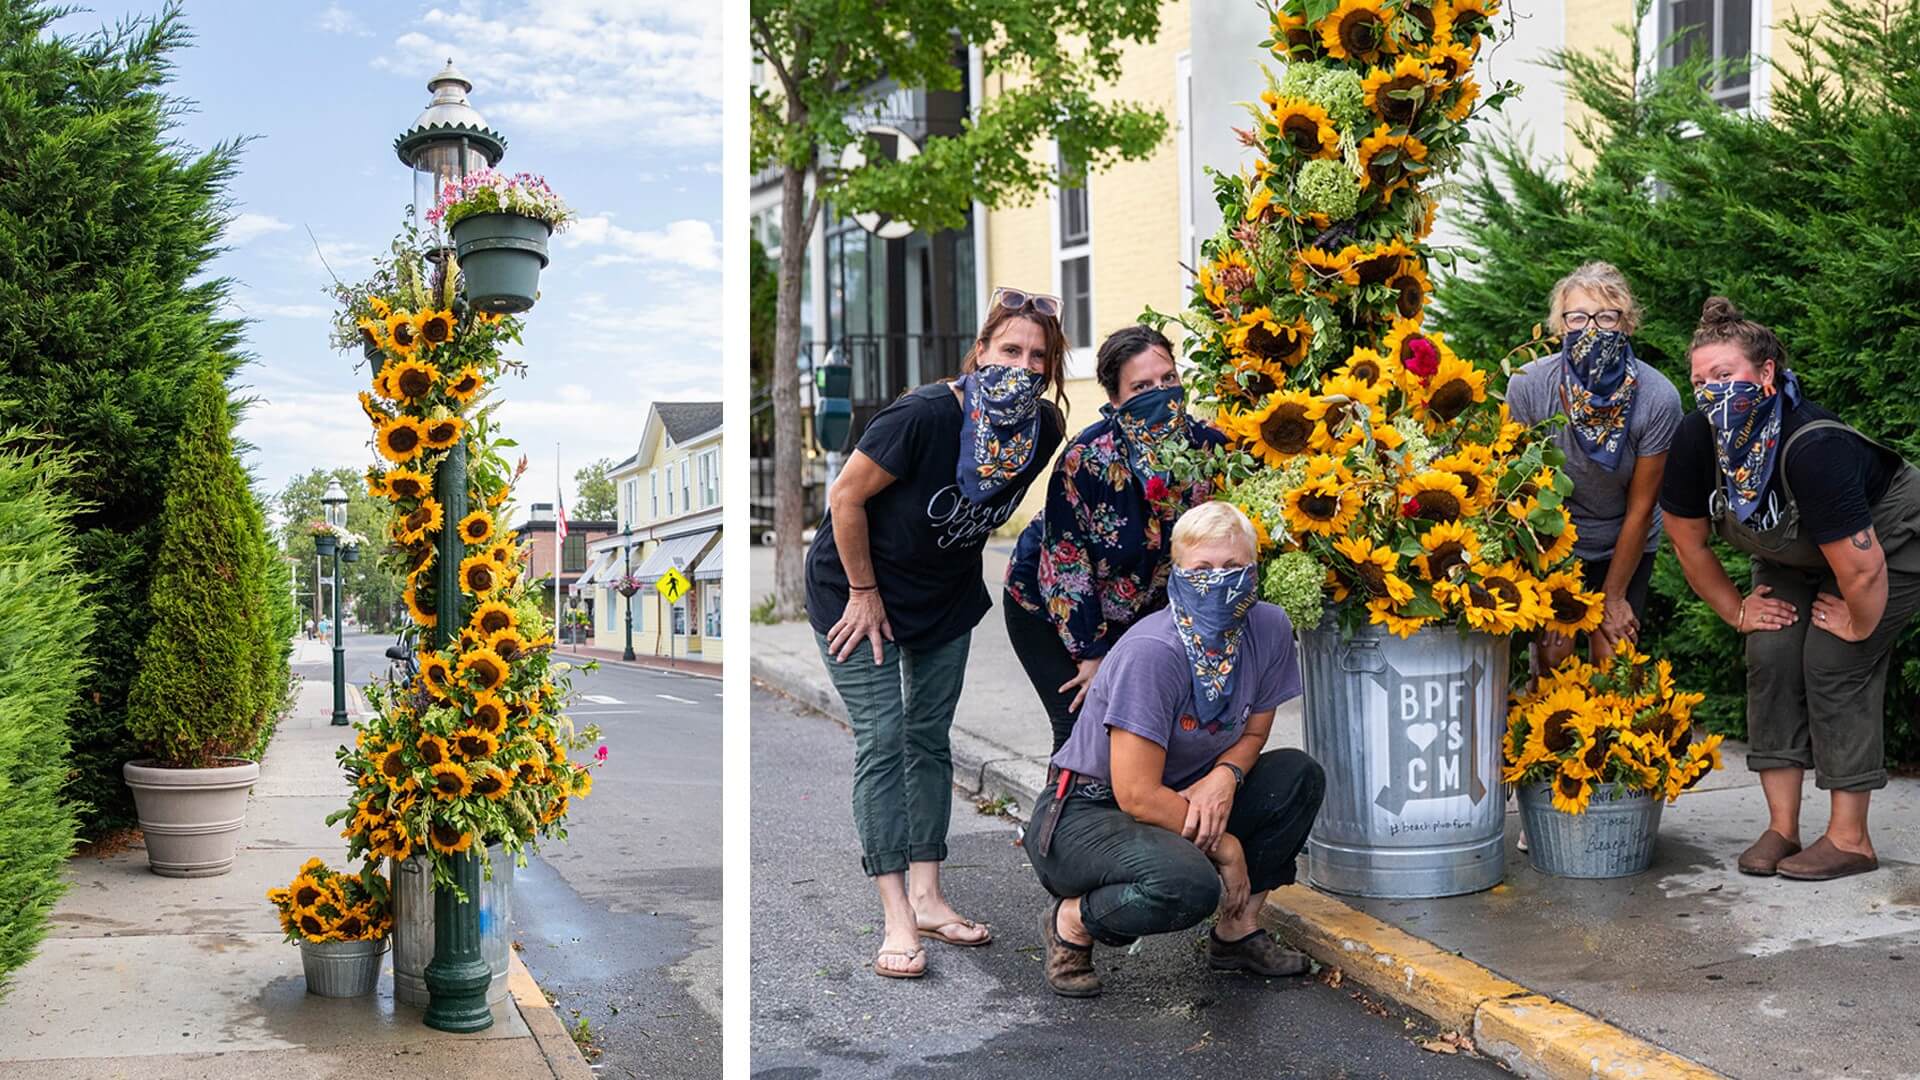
<point x="1147" y="422"/>
<point x="1746" y="435"/>
<point x="1210" y="611"/>
<point x="1598" y="378"/>
<point x="999" y="427"/>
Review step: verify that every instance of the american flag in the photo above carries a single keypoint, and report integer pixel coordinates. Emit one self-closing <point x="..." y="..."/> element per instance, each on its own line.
<point x="560" y="526"/>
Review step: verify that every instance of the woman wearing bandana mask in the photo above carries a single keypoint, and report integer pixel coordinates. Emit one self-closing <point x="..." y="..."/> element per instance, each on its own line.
<point x="1095" y="559"/>
<point x="1829" y="518"/>
<point x="1621" y="416"/>
<point x="1163" y="808"/>
<point x="894" y="590"/>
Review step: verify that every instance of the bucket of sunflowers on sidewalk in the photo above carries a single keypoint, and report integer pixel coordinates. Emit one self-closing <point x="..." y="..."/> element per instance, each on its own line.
<point x="1416" y="533"/>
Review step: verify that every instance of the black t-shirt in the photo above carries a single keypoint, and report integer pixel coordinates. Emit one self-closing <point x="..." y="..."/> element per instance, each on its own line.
<point x="1837" y="476"/>
<point x="924" y="536"/>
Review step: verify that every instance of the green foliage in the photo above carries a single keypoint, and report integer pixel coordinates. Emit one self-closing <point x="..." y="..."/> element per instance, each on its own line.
<point x="1052" y="54"/>
<point x="597" y="499"/>
<point x="373" y="585"/>
<point x="1805" y="219"/>
<point x="201" y="692"/>
<point x="44" y="622"/>
<point x="762" y="309"/>
<point x="107" y="226"/>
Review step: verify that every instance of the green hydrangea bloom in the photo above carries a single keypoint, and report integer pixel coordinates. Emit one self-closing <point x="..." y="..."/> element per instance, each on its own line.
<point x="1296" y="582"/>
<point x="1327" y="186"/>
<point x="1335" y="89"/>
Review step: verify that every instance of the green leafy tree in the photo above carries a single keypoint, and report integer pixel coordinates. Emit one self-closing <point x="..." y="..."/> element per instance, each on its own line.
<point x="371" y="587"/>
<point x="1804" y="218"/>
<point x="1049" y="57"/>
<point x="202" y="692"/>
<point x="595" y="492"/>
<point x="107" y="228"/>
<point x="45" y="619"/>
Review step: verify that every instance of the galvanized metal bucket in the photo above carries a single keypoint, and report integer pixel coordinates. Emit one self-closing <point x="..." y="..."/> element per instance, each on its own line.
<point x="1408" y="731"/>
<point x="413" y="925"/>
<point x="342" y="969"/>
<point x="1614" y="838"/>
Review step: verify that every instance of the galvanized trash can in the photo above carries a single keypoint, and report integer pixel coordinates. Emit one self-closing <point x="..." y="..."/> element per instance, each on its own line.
<point x="1408" y="732"/>
<point x="342" y="969"/>
<point x="1614" y="838"/>
<point x="413" y="926"/>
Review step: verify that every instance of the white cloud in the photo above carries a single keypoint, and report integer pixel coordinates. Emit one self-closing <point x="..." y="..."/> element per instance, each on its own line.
<point x="290" y="311"/>
<point x="246" y="227"/>
<point x="299" y="430"/>
<point x="338" y="20"/>
<point x="687" y="243"/>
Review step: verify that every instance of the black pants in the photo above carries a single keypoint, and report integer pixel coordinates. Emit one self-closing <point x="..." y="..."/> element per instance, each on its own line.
<point x="1048" y="664"/>
<point x="1594" y="573"/>
<point x="1137" y="879"/>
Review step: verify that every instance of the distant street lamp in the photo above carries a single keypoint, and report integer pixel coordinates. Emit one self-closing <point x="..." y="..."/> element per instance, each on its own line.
<point x="627" y="551"/>
<point x="335" y="502"/>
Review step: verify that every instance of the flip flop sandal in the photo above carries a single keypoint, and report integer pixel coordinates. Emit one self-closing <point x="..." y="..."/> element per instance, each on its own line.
<point x="938" y="934"/>
<point x="891" y="973"/>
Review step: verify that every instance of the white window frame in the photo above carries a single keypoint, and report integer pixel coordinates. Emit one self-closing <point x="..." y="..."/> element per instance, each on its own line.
<point x="1183" y="145"/>
<point x="709" y="477"/>
<point x="1080" y="361"/>
<point x="686" y="483"/>
<point x="653" y="483"/>
<point x="710" y="592"/>
<point x="677" y="618"/>
<point x="1759" y="39"/>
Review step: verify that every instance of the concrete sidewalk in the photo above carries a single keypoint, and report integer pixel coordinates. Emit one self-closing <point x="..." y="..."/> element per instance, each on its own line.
<point x="1754" y="977"/>
<point x="145" y="976"/>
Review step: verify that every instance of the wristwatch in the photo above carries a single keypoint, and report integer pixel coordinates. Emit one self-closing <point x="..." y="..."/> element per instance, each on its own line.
<point x="1239" y="777"/>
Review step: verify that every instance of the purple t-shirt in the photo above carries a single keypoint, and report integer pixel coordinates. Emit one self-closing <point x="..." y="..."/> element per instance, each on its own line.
<point x="1145" y="686"/>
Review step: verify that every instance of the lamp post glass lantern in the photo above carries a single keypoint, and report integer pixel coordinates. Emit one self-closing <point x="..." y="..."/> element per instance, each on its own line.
<point x="335" y="504"/>
<point x="447" y="142"/>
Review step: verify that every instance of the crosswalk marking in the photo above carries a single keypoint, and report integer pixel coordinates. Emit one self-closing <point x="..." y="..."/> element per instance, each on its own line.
<point x="600" y="699"/>
<point x="681" y="700"/>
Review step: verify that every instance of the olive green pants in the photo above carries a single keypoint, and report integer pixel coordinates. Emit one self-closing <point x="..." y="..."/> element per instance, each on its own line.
<point x="1814" y="700"/>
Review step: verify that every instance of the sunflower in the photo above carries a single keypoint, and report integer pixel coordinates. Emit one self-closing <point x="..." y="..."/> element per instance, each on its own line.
<point x="1375" y="265"/>
<point x="1570" y="793"/>
<point x="1570" y="608"/>
<point x="1371" y="368"/>
<point x="1411" y="287"/>
<point x="1560" y="724"/>
<point x="492" y="782"/>
<point x="448" y="838"/>
<point x="466" y="384"/>
<point x="1556" y="549"/>
<point x="485" y="665"/>
<point x="582" y="783"/>
<point x="472" y="743"/>
<point x="1306" y="127"/>
<point x="412" y="380"/>
<point x="1517" y="594"/>
<point x="1433" y="495"/>
<point x="441" y="433"/>
<point x="373" y="332"/>
<point x="1449" y="60"/>
<point x="1322" y="266"/>
<point x="1223" y="279"/>
<point x="555" y="811"/>
<point x="450" y="781"/>
<point x="1252" y="377"/>
<point x="392" y="763"/>
<point x="1281" y="431"/>
<point x="1518" y="752"/>
<point x="1261" y="201"/>
<point x="436" y="673"/>
<point x="1435" y="24"/>
<point x="1445" y="546"/>
<point x="401" y="440"/>
<point x="408" y="484"/>
<point x="1320" y="508"/>
<point x="1471" y="18"/>
<point x="434" y="327"/>
<point x="1355" y="31"/>
<point x="421" y="614"/>
<point x="508" y="643"/>
<point x="421" y="522"/>
<point x="1470" y="465"/>
<point x="305" y="891"/>
<point x="376" y="483"/>
<point x="493" y="616"/>
<point x="1293" y="31"/>
<point x="477" y="527"/>
<point x="1397" y="94"/>
<point x="1449" y="392"/>
<point x="1462" y="107"/>
<point x="1373" y="568"/>
<point x="1259" y="334"/>
<point x="1381" y="613"/>
<point x="376" y="415"/>
<point x="481" y="576"/>
<point x="488" y="714"/>
<point x="504" y="553"/>
<point x="402" y="336"/>
<point x="1341" y="413"/>
<point x="1387" y="160"/>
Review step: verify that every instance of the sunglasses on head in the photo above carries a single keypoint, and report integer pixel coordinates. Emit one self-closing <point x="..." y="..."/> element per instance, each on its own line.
<point x="1019" y="300"/>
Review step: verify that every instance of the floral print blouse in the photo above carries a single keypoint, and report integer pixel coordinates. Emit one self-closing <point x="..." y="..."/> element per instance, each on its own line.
<point x="1096" y="558"/>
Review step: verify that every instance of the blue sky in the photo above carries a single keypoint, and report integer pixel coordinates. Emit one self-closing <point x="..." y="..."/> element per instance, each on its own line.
<point x="616" y="102"/>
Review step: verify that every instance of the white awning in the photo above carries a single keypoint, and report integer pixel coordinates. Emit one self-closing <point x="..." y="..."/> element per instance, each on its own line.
<point x="709" y="568"/>
<point x="678" y="552"/>
<point x="602" y="562"/>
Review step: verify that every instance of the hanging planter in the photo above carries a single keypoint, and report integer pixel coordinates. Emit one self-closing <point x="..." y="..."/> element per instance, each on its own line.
<point x="350" y="554"/>
<point x="500" y="227"/>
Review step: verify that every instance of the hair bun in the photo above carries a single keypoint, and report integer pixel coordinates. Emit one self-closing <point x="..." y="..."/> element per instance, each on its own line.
<point x="1719" y="309"/>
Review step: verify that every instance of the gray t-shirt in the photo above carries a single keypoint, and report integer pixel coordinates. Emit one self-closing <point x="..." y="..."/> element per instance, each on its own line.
<point x="1145" y="686"/>
<point x="1599" y="500"/>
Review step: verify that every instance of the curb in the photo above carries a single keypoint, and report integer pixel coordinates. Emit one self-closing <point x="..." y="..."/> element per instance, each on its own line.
<point x="574" y="658"/>
<point x="563" y="1056"/>
<point x="1528" y="1032"/>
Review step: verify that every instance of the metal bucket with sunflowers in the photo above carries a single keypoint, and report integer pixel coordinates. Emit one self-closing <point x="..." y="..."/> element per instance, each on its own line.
<point x="341" y="922"/>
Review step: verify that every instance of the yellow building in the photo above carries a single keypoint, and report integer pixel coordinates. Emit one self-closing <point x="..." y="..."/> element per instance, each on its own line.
<point x="668" y="516"/>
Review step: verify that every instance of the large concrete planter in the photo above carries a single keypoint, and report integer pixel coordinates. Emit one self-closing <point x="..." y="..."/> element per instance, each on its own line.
<point x="191" y="816"/>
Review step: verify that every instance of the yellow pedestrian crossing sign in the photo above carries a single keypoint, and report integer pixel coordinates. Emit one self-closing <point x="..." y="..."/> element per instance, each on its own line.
<point x="673" y="585"/>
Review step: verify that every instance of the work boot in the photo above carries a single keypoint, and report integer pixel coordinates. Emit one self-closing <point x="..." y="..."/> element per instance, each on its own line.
<point x="1069" y="967"/>
<point x="1258" y="953"/>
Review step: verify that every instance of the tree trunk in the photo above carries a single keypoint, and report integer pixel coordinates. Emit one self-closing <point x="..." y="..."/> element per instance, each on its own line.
<point x="789" y="555"/>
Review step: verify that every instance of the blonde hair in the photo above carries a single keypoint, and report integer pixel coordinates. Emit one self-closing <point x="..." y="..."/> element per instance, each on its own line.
<point x="1214" y="521"/>
<point x="1604" y="280"/>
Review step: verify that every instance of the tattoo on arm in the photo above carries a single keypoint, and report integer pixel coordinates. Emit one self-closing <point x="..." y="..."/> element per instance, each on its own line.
<point x="1862" y="540"/>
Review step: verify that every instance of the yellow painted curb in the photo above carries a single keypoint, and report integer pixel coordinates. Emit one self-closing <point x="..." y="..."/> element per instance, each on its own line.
<point x="1529" y="1033"/>
<point x="549" y="1032"/>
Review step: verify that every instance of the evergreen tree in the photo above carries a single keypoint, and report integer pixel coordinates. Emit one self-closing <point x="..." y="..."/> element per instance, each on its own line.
<point x="44" y="623"/>
<point x="106" y="228"/>
<point x="201" y="691"/>
<point x="1808" y="219"/>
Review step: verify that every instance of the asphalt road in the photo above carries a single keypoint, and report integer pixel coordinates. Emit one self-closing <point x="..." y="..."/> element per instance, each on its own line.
<point x="621" y="921"/>
<point x="818" y="1012"/>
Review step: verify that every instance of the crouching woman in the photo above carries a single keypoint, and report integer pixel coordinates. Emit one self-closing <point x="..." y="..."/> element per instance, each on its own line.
<point x="1162" y="808"/>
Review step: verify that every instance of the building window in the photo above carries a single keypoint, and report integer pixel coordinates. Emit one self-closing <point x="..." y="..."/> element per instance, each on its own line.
<point x="712" y="593"/>
<point x="630" y="499"/>
<point x="1719" y="31"/>
<point x="1075" y="253"/>
<point x="669" y="491"/>
<point x="686" y="483"/>
<point x="680" y="617"/>
<point x="653" y="481"/>
<point x="573" y="553"/>
<point x="710" y="478"/>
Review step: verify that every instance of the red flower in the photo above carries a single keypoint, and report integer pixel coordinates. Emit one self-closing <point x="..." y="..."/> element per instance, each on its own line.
<point x="1422" y="358"/>
<point x="1410" y="508"/>
<point x="1156" y="489"/>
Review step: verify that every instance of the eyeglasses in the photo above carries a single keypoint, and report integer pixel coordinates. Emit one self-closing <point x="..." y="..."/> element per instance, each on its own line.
<point x="1579" y="320"/>
<point x="1017" y="300"/>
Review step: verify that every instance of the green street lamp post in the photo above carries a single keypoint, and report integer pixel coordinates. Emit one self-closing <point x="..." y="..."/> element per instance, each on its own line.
<point x="448" y="141"/>
<point x="335" y="502"/>
<point x="627" y="553"/>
